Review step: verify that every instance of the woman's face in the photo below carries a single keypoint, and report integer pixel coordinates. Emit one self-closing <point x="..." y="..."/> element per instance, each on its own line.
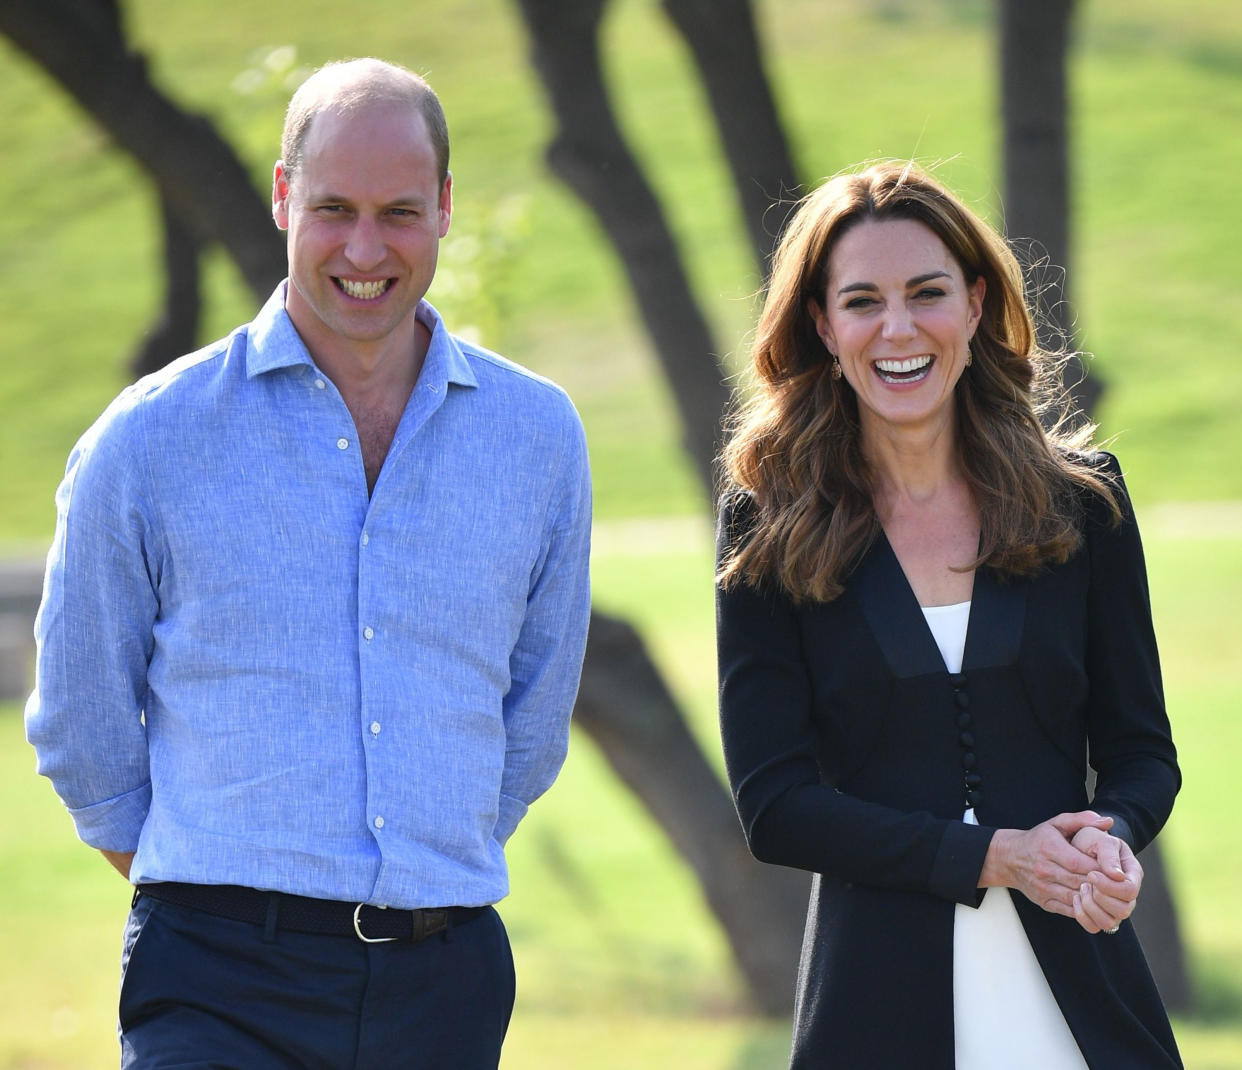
<point x="899" y="315"/>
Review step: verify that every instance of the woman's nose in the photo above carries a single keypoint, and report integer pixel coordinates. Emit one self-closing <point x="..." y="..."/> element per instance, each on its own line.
<point x="898" y="323"/>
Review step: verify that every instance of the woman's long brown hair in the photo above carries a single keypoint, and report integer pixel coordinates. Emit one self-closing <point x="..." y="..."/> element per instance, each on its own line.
<point x="795" y="445"/>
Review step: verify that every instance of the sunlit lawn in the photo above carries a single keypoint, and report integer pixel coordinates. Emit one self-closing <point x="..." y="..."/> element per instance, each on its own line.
<point x="619" y="965"/>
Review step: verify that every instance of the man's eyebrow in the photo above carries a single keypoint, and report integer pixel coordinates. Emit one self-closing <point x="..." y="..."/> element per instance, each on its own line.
<point x="414" y="200"/>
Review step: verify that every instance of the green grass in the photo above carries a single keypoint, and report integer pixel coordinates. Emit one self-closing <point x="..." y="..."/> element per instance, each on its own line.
<point x="618" y="962"/>
<point x="1154" y="91"/>
<point x="616" y="953"/>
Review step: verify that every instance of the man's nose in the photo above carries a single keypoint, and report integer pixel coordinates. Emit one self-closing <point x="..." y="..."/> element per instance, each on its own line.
<point x="365" y="248"/>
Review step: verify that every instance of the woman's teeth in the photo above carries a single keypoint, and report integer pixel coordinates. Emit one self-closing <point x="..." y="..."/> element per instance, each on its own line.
<point x="904" y="371"/>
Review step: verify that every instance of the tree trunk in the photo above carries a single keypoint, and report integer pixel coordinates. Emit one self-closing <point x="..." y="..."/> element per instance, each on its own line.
<point x="1034" y="40"/>
<point x="725" y="43"/>
<point x="1155" y="921"/>
<point x="627" y="709"/>
<point x="176" y="330"/>
<point x="589" y="154"/>
<point x="623" y="704"/>
<point x="78" y="43"/>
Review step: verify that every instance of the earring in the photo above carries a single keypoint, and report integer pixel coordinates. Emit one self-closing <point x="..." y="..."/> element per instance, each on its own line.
<point x="836" y="368"/>
<point x="970" y="356"/>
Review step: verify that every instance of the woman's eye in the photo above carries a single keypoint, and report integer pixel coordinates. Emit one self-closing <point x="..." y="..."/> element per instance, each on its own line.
<point x="860" y="302"/>
<point x="930" y="292"/>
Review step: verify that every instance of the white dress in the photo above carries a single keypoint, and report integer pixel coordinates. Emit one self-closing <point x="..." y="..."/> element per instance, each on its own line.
<point x="1004" y="1014"/>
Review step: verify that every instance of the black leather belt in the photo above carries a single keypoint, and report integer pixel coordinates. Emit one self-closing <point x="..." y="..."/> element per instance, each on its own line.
<point x="298" y="913"/>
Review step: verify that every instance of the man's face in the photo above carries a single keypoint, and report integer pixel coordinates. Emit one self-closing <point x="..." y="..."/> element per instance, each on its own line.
<point x="365" y="214"/>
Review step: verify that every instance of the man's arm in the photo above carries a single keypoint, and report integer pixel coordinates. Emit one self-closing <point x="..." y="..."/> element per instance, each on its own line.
<point x="120" y="861"/>
<point x="94" y="636"/>
<point x="547" y="659"/>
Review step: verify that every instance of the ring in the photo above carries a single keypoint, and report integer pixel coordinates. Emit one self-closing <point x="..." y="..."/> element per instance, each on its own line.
<point x="1114" y="929"/>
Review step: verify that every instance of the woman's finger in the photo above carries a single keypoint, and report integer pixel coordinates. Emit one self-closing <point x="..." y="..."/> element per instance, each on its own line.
<point x="1081" y="916"/>
<point x="1131" y="866"/>
<point x="1124" y="891"/>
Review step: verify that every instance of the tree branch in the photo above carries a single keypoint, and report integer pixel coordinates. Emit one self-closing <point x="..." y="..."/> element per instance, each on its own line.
<point x="79" y="44"/>
<point x="723" y="38"/>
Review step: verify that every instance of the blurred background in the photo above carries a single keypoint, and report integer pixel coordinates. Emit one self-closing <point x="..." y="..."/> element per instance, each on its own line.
<point x="138" y="140"/>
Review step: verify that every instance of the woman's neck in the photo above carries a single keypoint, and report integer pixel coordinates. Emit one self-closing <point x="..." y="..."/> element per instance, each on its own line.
<point x="913" y="466"/>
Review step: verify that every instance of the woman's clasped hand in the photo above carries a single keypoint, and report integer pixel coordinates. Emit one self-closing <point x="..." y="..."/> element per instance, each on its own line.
<point x="1068" y="865"/>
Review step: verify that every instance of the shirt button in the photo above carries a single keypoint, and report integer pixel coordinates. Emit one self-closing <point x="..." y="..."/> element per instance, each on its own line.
<point x="320" y="384"/>
<point x="342" y="443"/>
<point x="375" y="728"/>
<point x="368" y="633"/>
<point x="379" y="822"/>
<point x="365" y="538"/>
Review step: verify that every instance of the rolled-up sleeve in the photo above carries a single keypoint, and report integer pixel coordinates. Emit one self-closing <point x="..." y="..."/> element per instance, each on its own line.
<point x="94" y="635"/>
<point x="546" y="662"/>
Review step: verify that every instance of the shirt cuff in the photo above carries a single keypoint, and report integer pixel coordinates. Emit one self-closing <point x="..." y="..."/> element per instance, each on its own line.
<point x="1121" y="827"/>
<point x="511" y="812"/>
<point x="959" y="861"/>
<point x="114" y="824"/>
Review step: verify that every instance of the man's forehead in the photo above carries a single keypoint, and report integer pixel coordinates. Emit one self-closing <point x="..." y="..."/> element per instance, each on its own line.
<point x="355" y="120"/>
<point x="387" y="154"/>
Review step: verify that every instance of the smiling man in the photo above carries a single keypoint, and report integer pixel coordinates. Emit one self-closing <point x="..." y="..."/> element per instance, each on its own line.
<point x="311" y="633"/>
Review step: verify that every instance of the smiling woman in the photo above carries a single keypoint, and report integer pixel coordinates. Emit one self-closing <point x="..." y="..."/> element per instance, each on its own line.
<point x="901" y="341"/>
<point x="930" y="611"/>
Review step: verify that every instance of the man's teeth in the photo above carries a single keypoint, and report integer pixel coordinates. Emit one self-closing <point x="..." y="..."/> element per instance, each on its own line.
<point x="364" y="290"/>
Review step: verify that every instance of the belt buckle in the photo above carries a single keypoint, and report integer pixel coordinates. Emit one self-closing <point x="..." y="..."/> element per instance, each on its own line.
<point x="362" y="936"/>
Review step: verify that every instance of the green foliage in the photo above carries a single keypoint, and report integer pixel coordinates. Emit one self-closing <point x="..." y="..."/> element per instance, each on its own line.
<point x="1154" y="91"/>
<point x="616" y="955"/>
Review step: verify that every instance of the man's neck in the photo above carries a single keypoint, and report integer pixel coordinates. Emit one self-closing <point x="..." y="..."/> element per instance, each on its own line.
<point x="368" y="374"/>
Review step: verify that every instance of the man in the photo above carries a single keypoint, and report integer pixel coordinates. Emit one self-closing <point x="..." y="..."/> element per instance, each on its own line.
<point x="312" y="629"/>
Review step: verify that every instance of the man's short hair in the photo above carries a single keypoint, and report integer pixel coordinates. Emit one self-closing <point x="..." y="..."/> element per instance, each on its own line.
<point x="353" y="84"/>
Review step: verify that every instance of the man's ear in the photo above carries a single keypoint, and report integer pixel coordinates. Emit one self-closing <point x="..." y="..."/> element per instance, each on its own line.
<point x="446" y="204"/>
<point x="280" y="195"/>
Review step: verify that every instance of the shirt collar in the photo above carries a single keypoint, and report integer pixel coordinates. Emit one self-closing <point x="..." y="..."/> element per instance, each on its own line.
<point x="273" y="342"/>
<point x="445" y="361"/>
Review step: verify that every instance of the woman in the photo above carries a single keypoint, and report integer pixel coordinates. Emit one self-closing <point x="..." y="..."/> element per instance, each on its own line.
<point x="930" y="613"/>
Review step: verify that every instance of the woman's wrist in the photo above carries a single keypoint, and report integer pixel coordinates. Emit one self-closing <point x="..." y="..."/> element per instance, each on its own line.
<point x="995" y="872"/>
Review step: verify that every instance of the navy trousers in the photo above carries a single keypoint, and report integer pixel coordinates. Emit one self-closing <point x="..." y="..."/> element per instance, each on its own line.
<point x="199" y="991"/>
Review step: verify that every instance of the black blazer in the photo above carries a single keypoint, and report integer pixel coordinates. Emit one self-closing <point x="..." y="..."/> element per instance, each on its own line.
<point x="850" y="750"/>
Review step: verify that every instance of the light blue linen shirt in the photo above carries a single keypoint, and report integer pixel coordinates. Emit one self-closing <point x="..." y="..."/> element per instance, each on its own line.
<point x="252" y="672"/>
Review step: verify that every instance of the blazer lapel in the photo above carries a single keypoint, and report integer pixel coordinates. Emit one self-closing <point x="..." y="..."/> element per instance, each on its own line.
<point x="997" y="613"/>
<point x="993" y="636"/>
<point x="894" y="615"/>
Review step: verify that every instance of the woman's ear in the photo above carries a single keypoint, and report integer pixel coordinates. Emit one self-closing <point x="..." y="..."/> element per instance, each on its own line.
<point x="822" y="327"/>
<point x="975" y="303"/>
